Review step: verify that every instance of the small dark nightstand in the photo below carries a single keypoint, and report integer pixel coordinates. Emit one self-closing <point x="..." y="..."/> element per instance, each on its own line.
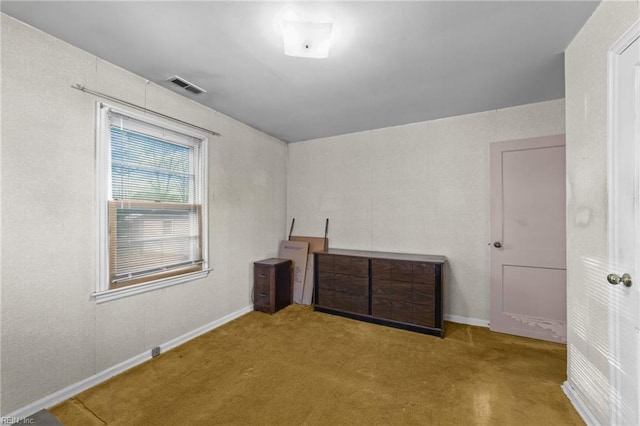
<point x="271" y="285"/>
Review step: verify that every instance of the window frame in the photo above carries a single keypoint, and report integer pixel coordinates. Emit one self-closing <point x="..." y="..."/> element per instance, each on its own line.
<point x="103" y="291"/>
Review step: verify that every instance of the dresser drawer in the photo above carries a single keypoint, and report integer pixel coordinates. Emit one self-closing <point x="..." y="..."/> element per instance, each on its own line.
<point x="381" y="307"/>
<point x="401" y="311"/>
<point x="359" y="304"/>
<point x="394" y="290"/>
<point x="324" y="262"/>
<point x="355" y="303"/>
<point x="391" y="309"/>
<point x="343" y="283"/>
<point x="349" y="265"/>
<point x="412" y="313"/>
<point x="423" y="315"/>
<point x="381" y="269"/>
<point x="404" y="292"/>
<point x="424" y="294"/>
<point x="403" y="270"/>
<point x="331" y="299"/>
<point x="346" y="265"/>
<point x="424" y="273"/>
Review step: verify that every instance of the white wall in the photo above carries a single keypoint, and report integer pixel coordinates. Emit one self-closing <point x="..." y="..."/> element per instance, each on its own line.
<point x="53" y="333"/>
<point x="418" y="188"/>
<point x="587" y="258"/>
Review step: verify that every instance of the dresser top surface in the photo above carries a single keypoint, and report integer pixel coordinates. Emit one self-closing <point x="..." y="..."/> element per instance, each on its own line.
<point x="272" y="261"/>
<point x="386" y="255"/>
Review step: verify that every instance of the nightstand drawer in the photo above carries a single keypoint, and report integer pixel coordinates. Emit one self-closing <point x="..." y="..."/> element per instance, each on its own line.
<point x="262" y="274"/>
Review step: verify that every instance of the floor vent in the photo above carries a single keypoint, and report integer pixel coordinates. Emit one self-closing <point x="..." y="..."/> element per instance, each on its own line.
<point x="186" y="85"/>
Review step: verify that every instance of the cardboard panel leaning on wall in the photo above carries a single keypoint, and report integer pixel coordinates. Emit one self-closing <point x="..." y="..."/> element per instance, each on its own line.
<point x="315" y="244"/>
<point x="297" y="252"/>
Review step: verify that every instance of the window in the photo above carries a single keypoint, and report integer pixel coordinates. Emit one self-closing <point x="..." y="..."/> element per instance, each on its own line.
<point x="153" y="203"/>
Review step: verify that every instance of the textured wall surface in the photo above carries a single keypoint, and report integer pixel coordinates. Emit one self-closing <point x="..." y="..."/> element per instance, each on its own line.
<point x="587" y="244"/>
<point x="53" y="333"/>
<point x="418" y="188"/>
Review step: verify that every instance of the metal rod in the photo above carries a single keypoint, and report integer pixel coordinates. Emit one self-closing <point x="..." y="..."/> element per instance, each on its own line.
<point x="291" y="230"/>
<point x="81" y="88"/>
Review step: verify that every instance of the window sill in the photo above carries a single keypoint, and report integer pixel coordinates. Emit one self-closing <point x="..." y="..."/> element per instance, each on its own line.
<point x="119" y="293"/>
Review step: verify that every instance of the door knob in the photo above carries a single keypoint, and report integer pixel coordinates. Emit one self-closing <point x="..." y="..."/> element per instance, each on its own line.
<point x="616" y="279"/>
<point x="497" y="244"/>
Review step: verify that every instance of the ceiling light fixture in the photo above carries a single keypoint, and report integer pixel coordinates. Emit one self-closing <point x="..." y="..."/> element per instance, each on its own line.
<point x="306" y="38"/>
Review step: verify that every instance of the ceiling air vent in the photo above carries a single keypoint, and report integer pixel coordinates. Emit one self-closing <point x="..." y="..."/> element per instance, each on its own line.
<point x="186" y="85"/>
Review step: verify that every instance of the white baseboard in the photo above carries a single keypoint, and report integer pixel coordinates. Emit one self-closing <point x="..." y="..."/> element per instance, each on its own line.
<point x="579" y="405"/>
<point x="76" y="388"/>
<point x="465" y="320"/>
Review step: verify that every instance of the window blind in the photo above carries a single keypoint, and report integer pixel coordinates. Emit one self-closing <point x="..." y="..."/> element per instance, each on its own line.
<point x="155" y="202"/>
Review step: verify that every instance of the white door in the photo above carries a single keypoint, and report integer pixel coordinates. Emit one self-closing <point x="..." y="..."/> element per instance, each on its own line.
<point x="528" y="231"/>
<point x="624" y="229"/>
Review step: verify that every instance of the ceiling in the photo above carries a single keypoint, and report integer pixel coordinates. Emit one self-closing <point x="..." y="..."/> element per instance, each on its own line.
<point x="390" y="63"/>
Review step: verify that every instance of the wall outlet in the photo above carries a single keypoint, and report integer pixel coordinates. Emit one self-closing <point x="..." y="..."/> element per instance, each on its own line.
<point x="155" y="352"/>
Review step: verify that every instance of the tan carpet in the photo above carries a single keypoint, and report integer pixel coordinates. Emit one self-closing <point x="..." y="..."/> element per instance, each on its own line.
<point x="300" y="367"/>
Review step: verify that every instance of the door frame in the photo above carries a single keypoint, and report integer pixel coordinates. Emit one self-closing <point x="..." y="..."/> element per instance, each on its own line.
<point x="613" y="230"/>
<point x="612" y="65"/>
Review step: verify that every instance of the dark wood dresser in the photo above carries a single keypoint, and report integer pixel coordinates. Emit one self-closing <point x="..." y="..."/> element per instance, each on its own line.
<point x="393" y="289"/>
<point x="271" y="285"/>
